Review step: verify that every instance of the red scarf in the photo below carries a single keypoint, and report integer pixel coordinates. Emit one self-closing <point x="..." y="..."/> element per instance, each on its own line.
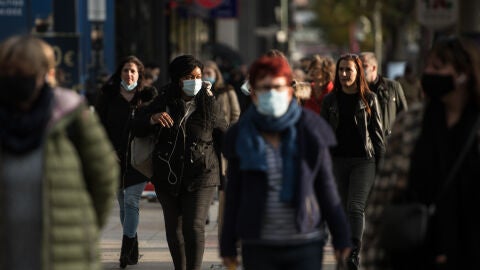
<point x="315" y="104"/>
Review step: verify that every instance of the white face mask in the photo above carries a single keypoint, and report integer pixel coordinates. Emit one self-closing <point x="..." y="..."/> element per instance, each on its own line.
<point x="128" y="87"/>
<point x="245" y="88"/>
<point x="273" y="103"/>
<point x="191" y="87"/>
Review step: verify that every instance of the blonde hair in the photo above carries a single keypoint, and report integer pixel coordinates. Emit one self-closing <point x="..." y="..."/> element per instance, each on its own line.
<point x="219" y="82"/>
<point x="23" y="56"/>
<point x="50" y="54"/>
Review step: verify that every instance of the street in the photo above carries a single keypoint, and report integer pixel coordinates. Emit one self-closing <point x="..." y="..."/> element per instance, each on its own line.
<point x="153" y="247"/>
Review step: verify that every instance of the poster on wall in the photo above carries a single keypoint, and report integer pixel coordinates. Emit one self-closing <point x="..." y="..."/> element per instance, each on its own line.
<point x="13" y="18"/>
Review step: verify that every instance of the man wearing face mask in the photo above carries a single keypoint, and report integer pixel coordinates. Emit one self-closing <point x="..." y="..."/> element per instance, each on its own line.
<point x="390" y="93"/>
<point x="280" y="176"/>
<point x="186" y="169"/>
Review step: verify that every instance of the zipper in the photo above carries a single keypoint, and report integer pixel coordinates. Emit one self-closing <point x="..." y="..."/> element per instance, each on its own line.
<point x="129" y="142"/>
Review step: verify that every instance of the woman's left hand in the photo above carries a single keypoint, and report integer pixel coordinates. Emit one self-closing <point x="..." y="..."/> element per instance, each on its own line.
<point x="342" y="254"/>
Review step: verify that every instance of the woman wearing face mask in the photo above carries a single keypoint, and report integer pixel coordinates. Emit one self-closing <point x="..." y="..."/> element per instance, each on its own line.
<point x="228" y="101"/>
<point x="280" y="187"/>
<point x="58" y="174"/>
<point x="119" y="99"/>
<point x="186" y="170"/>
<point x="354" y="113"/>
<point x="424" y="146"/>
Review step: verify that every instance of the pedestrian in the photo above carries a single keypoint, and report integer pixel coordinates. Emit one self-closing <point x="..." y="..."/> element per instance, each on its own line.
<point x="354" y="114"/>
<point x="280" y="188"/>
<point x="424" y="145"/>
<point x="58" y="173"/>
<point x="389" y="92"/>
<point x="230" y="109"/>
<point x="321" y="74"/>
<point x="186" y="171"/>
<point x="119" y="100"/>
<point x="411" y="85"/>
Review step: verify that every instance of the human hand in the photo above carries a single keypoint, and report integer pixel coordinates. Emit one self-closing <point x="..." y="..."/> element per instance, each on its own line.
<point x="230" y="262"/>
<point x="208" y="87"/>
<point x="342" y="254"/>
<point x="163" y="118"/>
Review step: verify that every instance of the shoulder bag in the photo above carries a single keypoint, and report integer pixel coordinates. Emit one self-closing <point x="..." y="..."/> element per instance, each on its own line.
<point x="403" y="226"/>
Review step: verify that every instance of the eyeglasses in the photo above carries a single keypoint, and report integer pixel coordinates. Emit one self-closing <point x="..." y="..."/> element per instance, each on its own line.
<point x="349" y="55"/>
<point x="276" y="87"/>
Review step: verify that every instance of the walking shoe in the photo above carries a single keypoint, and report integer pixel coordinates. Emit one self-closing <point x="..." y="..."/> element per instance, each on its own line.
<point x="353" y="261"/>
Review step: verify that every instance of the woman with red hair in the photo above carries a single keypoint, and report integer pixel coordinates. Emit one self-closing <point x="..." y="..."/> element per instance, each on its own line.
<point x="281" y="189"/>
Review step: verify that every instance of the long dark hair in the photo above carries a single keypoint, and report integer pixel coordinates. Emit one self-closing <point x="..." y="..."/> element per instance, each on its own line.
<point x="360" y="81"/>
<point x="116" y="77"/>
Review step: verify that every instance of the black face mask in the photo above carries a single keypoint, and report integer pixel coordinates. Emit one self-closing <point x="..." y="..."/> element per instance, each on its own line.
<point x="437" y="86"/>
<point x="16" y="89"/>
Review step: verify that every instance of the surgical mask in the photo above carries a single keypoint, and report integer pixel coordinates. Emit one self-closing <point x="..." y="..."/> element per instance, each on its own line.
<point x="211" y="80"/>
<point x="128" y="87"/>
<point x="191" y="87"/>
<point x="273" y="103"/>
<point x="245" y="88"/>
<point x="437" y="86"/>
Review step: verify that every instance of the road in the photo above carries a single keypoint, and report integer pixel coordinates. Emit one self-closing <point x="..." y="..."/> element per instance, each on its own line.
<point x="153" y="245"/>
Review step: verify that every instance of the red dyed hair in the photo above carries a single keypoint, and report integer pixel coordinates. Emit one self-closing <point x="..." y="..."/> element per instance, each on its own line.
<point x="269" y="66"/>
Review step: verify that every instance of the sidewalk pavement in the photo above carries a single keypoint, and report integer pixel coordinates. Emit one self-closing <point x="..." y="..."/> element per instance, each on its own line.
<point x="154" y="254"/>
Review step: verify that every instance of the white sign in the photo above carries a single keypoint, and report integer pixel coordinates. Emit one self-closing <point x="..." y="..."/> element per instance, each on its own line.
<point x="11" y="8"/>
<point x="97" y="10"/>
<point x="437" y="14"/>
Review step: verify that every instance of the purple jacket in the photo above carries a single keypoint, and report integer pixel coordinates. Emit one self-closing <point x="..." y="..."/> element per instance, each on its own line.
<point x="316" y="197"/>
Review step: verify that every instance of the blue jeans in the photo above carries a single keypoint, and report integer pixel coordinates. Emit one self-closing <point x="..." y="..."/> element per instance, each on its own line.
<point x="355" y="177"/>
<point x="128" y="200"/>
<point x="307" y="256"/>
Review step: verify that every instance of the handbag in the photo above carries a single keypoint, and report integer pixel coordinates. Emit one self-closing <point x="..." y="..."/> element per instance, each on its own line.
<point x="141" y="149"/>
<point x="404" y="226"/>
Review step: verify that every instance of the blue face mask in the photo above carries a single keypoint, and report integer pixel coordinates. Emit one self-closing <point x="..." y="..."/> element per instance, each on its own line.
<point x="128" y="87"/>
<point x="273" y="103"/>
<point x="191" y="87"/>
<point x="210" y="79"/>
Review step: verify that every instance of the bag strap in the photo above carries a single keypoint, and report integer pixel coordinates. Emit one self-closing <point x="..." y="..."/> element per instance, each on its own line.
<point x="461" y="157"/>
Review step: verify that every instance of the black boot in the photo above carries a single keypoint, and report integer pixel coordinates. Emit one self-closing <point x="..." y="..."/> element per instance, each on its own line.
<point x="353" y="261"/>
<point x="125" y="253"/>
<point x="134" y="254"/>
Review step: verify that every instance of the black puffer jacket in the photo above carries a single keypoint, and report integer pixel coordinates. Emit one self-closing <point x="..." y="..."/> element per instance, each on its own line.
<point x="184" y="155"/>
<point x="116" y="114"/>
<point x="369" y="125"/>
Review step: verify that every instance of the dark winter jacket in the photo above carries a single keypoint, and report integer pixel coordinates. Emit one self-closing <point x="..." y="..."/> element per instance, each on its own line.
<point x="392" y="101"/>
<point x="184" y="154"/>
<point x="369" y="125"/>
<point x="116" y="114"/>
<point x="316" y="198"/>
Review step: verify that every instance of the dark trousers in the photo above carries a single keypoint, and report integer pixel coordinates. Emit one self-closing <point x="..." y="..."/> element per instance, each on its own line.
<point x="264" y="257"/>
<point x="185" y="217"/>
<point x="354" y="177"/>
